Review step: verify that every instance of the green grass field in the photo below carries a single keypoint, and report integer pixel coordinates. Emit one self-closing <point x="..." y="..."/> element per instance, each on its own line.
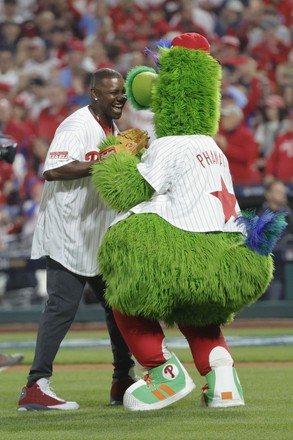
<point x="268" y="389"/>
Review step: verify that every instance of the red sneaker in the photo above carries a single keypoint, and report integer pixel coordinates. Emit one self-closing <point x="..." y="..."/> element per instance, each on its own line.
<point x="119" y="386"/>
<point x="41" y="397"/>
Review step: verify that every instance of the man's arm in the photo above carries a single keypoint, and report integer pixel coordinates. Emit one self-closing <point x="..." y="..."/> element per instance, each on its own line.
<point x="70" y="171"/>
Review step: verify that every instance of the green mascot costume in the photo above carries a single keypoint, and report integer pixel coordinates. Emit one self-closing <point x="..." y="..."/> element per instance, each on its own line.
<point x="181" y="251"/>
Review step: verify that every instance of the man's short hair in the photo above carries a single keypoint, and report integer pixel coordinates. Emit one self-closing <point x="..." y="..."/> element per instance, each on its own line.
<point x="103" y="73"/>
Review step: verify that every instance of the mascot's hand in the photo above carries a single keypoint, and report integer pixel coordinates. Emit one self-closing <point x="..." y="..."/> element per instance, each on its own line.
<point x="131" y="141"/>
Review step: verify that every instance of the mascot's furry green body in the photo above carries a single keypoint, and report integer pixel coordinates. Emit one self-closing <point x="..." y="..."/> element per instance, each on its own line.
<point x="178" y="254"/>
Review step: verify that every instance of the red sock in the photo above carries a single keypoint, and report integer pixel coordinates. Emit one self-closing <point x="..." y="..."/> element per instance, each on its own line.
<point x="202" y="340"/>
<point x="144" y="337"/>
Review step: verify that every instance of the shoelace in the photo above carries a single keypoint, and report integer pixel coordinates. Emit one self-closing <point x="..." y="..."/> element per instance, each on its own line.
<point x="48" y="390"/>
<point x="132" y="374"/>
<point x="202" y="396"/>
<point x="148" y="380"/>
<point x="204" y="388"/>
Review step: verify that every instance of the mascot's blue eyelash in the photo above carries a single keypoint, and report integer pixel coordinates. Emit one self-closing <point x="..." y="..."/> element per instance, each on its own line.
<point x="154" y="56"/>
<point x="161" y="43"/>
<point x="164" y="43"/>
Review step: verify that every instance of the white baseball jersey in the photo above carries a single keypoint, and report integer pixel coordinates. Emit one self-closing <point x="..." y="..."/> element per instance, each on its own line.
<point x="193" y="184"/>
<point x="72" y="219"/>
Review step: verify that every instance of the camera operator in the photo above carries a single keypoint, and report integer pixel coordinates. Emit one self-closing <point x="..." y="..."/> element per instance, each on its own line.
<point x="8" y="184"/>
<point x="7" y="156"/>
<point x="17" y="219"/>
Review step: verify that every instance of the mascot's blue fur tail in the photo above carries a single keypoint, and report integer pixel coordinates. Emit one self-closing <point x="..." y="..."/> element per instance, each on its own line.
<point x="263" y="231"/>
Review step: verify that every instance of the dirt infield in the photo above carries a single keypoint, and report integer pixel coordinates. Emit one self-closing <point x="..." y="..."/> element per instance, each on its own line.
<point x="78" y="326"/>
<point x="190" y="365"/>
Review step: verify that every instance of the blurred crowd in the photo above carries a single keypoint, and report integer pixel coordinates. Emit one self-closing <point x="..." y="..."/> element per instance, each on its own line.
<point x="49" y="48"/>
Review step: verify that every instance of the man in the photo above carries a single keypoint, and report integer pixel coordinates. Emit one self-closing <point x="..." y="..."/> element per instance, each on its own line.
<point x="280" y="162"/>
<point x="237" y="143"/>
<point x="71" y="223"/>
<point x="276" y="199"/>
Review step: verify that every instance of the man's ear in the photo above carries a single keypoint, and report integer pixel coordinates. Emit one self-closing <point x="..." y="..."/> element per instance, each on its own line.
<point x="139" y="85"/>
<point x="94" y="95"/>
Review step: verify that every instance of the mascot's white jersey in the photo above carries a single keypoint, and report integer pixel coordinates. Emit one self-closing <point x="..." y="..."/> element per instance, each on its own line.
<point x="72" y="219"/>
<point x="193" y="184"/>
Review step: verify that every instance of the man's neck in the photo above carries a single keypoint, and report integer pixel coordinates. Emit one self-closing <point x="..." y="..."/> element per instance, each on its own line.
<point x="107" y="127"/>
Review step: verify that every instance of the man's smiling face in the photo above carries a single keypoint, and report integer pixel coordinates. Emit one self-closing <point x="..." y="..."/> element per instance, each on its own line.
<point x="110" y="94"/>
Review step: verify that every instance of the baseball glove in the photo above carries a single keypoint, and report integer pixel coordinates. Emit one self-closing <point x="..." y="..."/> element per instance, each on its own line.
<point x="131" y="141"/>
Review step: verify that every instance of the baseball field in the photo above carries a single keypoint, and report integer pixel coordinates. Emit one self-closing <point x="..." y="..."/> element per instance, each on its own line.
<point x="263" y="356"/>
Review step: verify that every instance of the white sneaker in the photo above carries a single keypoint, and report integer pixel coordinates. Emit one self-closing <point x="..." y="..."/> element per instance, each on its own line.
<point x="223" y="389"/>
<point x="40" y="397"/>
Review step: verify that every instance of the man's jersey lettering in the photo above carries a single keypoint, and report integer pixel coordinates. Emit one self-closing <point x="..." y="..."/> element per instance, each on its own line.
<point x="211" y="158"/>
<point x="58" y="155"/>
<point x="92" y="155"/>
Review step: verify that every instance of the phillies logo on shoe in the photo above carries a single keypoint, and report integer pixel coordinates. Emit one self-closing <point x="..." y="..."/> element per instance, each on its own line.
<point x="170" y="372"/>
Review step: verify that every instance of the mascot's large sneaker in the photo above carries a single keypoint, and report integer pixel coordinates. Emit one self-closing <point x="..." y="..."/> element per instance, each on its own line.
<point x="41" y="397"/>
<point x="161" y="387"/>
<point x="223" y="389"/>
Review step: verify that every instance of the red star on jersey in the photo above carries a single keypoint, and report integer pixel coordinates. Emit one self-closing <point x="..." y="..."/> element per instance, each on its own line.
<point x="228" y="201"/>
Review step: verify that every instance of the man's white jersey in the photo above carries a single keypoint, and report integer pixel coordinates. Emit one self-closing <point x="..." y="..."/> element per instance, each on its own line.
<point x="72" y="219"/>
<point x="193" y="184"/>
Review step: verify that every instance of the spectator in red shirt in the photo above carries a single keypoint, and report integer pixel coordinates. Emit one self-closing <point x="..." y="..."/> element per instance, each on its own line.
<point x="280" y="163"/>
<point x="271" y="50"/>
<point x="256" y="83"/>
<point x="284" y="8"/>
<point x="8" y="183"/>
<point x="158" y="25"/>
<point x="15" y="128"/>
<point x="5" y="91"/>
<point x="127" y="17"/>
<point x="21" y="112"/>
<point x="52" y="116"/>
<point x="9" y="75"/>
<point x="229" y="47"/>
<point x="239" y="146"/>
<point x="269" y="125"/>
<point x="97" y="56"/>
<point x="184" y="20"/>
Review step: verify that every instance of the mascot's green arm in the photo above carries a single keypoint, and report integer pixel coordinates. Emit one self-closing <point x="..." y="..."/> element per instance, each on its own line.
<point x="119" y="183"/>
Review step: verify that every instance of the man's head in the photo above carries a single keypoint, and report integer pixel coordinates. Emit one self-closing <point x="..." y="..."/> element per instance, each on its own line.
<point x="107" y="94"/>
<point x="276" y="195"/>
<point x="6" y="59"/>
<point x="6" y="111"/>
<point x="231" y="117"/>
